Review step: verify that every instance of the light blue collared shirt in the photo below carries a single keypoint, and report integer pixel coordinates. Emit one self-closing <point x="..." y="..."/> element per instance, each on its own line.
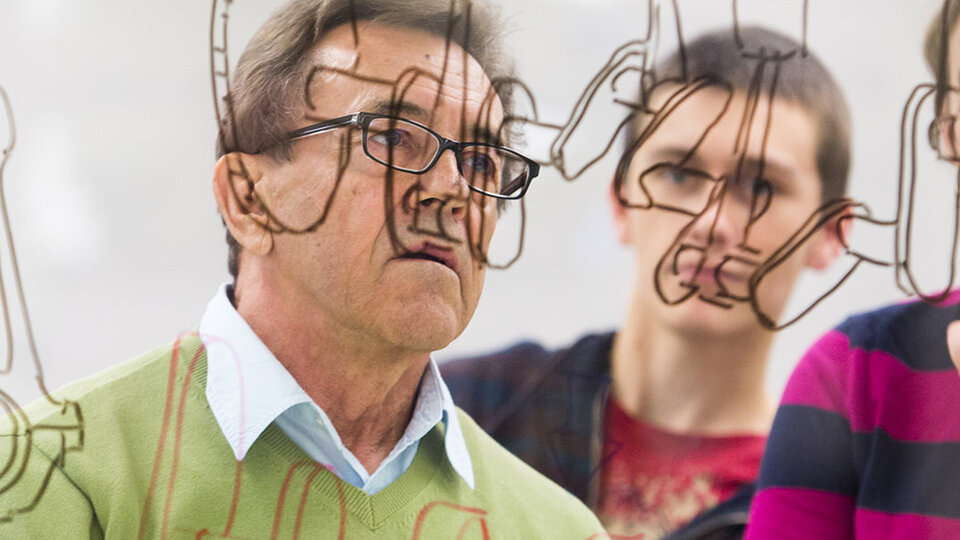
<point x="248" y="388"/>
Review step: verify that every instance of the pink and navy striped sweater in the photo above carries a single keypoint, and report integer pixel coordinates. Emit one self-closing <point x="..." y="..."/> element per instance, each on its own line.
<point x="866" y="442"/>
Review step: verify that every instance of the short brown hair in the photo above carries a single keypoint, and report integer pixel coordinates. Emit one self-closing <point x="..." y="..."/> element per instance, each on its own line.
<point x="803" y="79"/>
<point x="935" y="45"/>
<point x="272" y="68"/>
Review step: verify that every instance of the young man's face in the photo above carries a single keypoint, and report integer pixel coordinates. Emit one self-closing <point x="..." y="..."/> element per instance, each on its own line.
<point x="391" y="261"/>
<point x="722" y="200"/>
<point x="951" y="102"/>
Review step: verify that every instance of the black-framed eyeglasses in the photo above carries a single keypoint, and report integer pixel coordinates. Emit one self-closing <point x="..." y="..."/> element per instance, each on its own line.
<point x="411" y="147"/>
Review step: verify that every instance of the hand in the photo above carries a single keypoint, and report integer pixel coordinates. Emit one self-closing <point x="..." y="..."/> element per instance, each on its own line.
<point x="953" y="342"/>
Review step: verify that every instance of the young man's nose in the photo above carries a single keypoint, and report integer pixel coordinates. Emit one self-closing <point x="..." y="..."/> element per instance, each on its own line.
<point x="724" y="221"/>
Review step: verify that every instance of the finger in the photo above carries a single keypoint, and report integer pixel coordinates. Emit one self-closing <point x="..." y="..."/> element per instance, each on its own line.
<point x="953" y="342"/>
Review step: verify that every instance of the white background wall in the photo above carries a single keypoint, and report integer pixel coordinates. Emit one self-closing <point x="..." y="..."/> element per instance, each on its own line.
<point x="120" y="245"/>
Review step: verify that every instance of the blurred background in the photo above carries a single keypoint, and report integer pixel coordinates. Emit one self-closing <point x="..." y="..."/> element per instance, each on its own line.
<point x="118" y="239"/>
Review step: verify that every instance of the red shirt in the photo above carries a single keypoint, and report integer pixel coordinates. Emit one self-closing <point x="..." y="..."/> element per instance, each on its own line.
<point x="653" y="481"/>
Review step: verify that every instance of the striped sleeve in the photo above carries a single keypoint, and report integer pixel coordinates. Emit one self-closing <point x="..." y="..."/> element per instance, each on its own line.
<point x="808" y="483"/>
<point x="866" y="442"/>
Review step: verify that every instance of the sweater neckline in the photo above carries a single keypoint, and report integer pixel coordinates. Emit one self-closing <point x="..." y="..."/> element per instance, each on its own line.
<point x="371" y="510"/>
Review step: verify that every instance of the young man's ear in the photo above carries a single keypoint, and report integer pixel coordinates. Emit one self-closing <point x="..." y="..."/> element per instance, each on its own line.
<point x="620" y="214"/>
<point x="834" y="238"/>
<point x="234" y="186"/>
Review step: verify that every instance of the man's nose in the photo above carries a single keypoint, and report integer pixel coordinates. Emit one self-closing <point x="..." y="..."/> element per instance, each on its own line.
<point x="443" y="189"/>
<point x="724" y="221"/>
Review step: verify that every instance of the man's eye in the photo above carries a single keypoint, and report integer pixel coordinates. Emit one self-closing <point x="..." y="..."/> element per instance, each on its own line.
<point x="480" y="163"/>
<point x="671" y="174"/>
<point x="390" y="137"/>
<point x="762" y="185"/>
<point x="755" y="186"/>
<point x="676" y="175"/>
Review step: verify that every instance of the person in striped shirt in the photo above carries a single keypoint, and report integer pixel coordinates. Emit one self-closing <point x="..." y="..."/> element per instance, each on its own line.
<point x="866" y="441"/>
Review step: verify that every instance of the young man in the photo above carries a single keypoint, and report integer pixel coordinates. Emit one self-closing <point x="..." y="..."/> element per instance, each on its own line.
<point x="664" y="421"/>
<point x="866" y="442"/>
<point x="307" y="404"/>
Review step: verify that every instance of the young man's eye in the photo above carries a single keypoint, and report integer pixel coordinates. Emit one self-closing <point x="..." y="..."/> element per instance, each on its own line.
<point x="766" y="186"/>
<point x="676" y="175"/>
<point x="762" y="185"/>
<point x="671" y="174"/>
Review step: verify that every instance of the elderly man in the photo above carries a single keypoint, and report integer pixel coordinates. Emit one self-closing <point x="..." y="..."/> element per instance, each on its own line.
<point x="308" y="404"/>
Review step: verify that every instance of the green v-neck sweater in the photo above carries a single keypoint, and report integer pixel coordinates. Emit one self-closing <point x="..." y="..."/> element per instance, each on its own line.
<point x="136" y="453"/>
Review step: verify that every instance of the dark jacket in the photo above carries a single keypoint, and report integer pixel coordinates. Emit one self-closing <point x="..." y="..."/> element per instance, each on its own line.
<point x="547" y="407"/>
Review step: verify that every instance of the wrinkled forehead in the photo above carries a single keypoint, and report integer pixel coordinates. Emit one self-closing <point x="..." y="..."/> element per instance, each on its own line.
<point x="350" y="71"/>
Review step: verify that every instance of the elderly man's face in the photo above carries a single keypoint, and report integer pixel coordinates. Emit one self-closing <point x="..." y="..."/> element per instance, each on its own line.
<point x="391" y="260"/>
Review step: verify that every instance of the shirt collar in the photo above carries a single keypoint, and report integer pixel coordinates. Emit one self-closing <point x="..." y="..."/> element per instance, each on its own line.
<point x="248" y="388"/>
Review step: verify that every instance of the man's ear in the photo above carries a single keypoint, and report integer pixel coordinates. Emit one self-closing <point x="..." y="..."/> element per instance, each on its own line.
<point x="620" y="215"/>
<point x="833" y="239"/>
<point x="234" y="182"/>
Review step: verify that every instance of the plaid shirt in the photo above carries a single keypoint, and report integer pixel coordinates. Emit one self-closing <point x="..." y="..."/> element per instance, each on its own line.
<point x="547" y="408"/>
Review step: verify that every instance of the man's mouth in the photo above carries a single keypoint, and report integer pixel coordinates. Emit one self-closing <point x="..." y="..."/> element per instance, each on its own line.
<point x="708" y="275"/>
<point x="694" y="269"/>
<point x="432" y="252"/>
